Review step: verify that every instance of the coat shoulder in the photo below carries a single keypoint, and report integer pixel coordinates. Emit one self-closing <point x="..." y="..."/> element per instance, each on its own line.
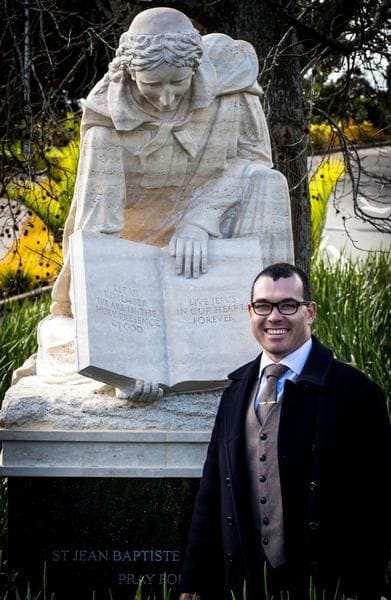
<point x="353" y="375"/>
<point x="241" y="372"/>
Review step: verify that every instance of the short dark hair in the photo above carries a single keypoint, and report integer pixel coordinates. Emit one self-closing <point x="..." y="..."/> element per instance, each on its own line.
<point x="279" y="270"/>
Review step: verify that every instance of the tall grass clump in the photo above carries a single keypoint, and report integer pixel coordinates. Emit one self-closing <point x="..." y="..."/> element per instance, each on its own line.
<point x="354" y="318"/>
<point x="18" y="334"/>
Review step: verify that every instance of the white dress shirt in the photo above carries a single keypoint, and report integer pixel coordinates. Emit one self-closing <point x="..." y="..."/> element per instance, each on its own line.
<point x="295" y="363"/>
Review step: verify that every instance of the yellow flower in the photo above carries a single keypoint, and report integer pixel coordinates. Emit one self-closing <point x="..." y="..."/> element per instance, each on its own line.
<point x="321" y="186"/>
<point x="33" y="256"/>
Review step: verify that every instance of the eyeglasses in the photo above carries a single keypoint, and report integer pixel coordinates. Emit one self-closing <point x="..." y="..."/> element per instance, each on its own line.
<point x="285" y="307"/>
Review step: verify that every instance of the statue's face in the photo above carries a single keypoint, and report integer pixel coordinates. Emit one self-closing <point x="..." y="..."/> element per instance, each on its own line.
<point x="164" y="86"/>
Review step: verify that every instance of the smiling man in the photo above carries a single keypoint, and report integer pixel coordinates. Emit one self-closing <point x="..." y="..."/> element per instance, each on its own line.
<point x="294" y="485"/>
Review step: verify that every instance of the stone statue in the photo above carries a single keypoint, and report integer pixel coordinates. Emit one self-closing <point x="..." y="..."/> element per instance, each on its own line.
<point x="175" y="150"/>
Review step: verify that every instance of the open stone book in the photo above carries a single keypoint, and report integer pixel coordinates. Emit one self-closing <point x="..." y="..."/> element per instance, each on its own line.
<point x="136" y="319"/>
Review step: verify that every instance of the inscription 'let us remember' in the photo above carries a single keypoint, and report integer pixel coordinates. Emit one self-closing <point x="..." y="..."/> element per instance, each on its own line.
<point x="127" y="310"/>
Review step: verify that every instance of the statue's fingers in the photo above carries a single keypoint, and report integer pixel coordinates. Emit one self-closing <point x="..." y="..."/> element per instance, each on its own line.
<point x="196" y="259"/>
<point x="204" y="257"/>
<point x="180" y="246"/>
<point x="188" y="257"/>
<point x="156" y="392"/>
<point x="138" y="390"/>
<point x="145" y="392"/>
<point x="124" y="392"/>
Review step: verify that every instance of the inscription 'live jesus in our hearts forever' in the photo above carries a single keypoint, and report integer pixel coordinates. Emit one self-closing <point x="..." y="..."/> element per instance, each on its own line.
<point x="211" y="309"/>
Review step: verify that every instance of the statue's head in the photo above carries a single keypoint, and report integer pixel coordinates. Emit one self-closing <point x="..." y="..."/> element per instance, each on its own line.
<point x="160" y="51"/>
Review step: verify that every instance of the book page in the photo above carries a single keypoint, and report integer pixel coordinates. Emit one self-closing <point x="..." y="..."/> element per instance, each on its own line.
<point x="118" y="307"/>
<point x="208" y="328"/>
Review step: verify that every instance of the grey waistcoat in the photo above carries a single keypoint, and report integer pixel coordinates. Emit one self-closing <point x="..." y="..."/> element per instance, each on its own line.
<point x="262" y="464"/>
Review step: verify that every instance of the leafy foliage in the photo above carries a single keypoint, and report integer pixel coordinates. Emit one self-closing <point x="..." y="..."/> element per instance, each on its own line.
<point x="32" y="260"/>
<point x="354" y="317"/>
<point x="325" y="137"/>
<point x="18" y="338"/>
<point x="34" y="256"/>
<point x="49" y="196"/>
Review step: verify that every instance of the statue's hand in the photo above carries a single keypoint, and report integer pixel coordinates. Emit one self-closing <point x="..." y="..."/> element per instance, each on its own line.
<point x="140" y="391"/>
<point x="189" y="245"/>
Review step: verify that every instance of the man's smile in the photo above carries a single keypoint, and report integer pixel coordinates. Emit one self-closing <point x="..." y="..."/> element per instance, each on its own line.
<point x="274" y="331"/>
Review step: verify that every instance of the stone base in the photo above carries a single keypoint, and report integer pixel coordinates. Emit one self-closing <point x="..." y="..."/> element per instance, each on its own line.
<point x="98" y="534"/>
<point x="31" y="404"/>
<point x="101" y="489"/>
<point x="80" y="431"/>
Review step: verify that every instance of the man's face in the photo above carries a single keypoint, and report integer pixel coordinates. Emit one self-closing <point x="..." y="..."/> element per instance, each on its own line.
<point x="164" y="86"/>
<point x="279" y="334"/>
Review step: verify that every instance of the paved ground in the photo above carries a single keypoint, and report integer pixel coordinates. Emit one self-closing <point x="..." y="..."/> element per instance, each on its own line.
<point x="353" y="236"/>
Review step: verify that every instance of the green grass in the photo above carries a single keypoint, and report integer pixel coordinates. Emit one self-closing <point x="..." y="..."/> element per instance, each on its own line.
<point x="354" y="316"/>
<point x="18" y="334"/>
<point x="14" y="590"/>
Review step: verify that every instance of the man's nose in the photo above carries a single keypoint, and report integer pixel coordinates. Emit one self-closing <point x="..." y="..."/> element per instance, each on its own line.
<point x="275" y="315"/>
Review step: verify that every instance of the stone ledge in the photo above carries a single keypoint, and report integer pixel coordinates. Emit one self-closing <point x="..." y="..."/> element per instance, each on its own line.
<point x="100" y="472"/>
<point x="31" y="453"/>
<point x="26" y="435"/>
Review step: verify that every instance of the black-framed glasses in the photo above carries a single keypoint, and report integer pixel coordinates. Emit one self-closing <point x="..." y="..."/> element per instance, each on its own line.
<point x="285" y="307"/>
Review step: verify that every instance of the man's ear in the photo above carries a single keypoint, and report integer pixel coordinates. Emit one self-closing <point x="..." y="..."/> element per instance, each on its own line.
<point x="312" y="310"/>
<point x="249" y="310"/>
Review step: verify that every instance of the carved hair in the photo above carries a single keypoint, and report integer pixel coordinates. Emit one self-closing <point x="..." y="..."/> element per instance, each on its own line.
<point x="146" y="52"/>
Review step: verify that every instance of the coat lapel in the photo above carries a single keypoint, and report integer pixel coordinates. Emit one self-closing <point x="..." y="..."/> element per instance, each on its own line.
<point x="238" y="394"/>
<point x="238" y="398"/>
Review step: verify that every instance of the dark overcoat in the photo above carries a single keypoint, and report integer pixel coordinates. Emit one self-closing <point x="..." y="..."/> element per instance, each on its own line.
<point x="334" y="459"/>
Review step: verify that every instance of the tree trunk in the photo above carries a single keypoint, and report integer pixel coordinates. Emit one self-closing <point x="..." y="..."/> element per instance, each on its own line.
<point x="288" y="128"/>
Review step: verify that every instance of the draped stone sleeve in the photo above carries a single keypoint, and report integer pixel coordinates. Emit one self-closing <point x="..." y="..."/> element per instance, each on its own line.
<point x="254" y="139"/>
<point x="98" y="200"/>
<point x="246" y="141"/>
<point x="100" y="189"/>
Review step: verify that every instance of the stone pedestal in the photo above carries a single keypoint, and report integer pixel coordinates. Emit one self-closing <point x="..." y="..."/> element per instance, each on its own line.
<point x="101" y="490"/>
<point x="99" y="534"/>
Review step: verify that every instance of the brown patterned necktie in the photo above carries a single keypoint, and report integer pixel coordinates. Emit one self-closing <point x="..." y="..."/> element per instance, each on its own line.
<point x="268" y="398"/>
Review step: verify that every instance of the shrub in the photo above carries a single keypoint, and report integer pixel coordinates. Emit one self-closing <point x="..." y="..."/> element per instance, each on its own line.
<point x="18" y="338"/>
<point x="325" y="137"/>
<point x="35" y="258"/>
<point x="46" y="190"/>
<point x="354" y="317"/>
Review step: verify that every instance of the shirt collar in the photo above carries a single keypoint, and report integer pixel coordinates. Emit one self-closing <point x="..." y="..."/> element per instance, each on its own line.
<point x="295" y="361"/>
